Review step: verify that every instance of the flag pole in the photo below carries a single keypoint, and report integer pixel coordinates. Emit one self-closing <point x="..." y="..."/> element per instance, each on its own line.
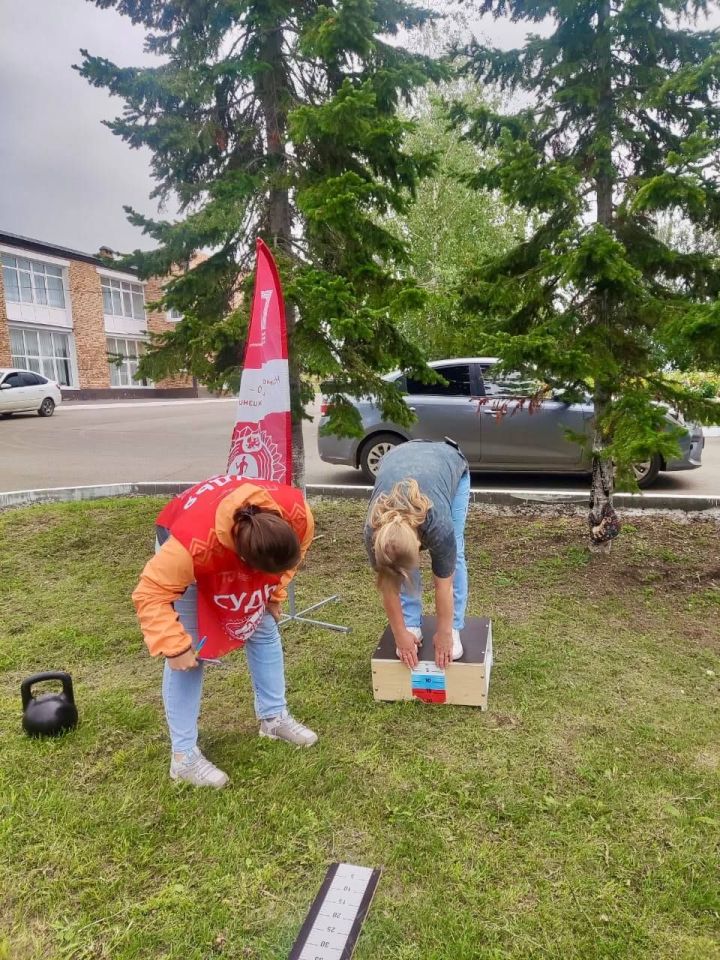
<point x="300" y="616"/>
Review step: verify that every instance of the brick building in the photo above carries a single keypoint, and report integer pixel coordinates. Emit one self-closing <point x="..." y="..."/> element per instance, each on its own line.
<point x="70" y="317"/>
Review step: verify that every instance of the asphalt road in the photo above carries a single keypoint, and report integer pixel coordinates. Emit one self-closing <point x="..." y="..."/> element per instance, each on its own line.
<point x="188" y="440"/>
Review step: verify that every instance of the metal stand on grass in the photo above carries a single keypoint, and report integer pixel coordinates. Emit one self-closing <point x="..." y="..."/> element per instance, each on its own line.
<point x="298" y="616"/>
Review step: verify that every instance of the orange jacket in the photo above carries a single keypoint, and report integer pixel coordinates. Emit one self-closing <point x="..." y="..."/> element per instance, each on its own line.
<point x="168" y="574"/>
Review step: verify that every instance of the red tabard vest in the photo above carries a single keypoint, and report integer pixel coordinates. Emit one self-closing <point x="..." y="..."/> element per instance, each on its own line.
<point x="231" y="595"/>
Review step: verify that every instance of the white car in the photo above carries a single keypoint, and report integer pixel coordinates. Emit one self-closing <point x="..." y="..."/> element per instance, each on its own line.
<point x="22" y="391"/>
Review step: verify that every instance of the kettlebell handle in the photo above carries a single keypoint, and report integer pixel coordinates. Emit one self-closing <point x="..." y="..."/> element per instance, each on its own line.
<point x="64" y="678"/>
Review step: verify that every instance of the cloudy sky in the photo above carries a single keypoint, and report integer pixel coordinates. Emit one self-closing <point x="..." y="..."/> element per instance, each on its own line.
<point x="64" y="176"/>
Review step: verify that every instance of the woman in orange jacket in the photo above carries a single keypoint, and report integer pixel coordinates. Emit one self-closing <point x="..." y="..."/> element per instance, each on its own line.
<point x="226" y="550"/>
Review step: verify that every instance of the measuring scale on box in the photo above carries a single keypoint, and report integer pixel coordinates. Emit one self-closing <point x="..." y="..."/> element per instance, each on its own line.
<point x="333" y="924"/>
<point x="427" y="682"/>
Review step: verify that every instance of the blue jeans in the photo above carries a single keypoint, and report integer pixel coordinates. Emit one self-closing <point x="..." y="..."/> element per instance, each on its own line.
<point x="182" y="689"/>
<point x="411" y="599"/>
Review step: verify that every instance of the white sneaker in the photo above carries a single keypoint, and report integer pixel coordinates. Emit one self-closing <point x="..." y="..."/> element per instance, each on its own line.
<point x="457" y="649"/>
<point x="287" y="728"/>
<point x="417" y="633"/>
<point x="194" y="768"/>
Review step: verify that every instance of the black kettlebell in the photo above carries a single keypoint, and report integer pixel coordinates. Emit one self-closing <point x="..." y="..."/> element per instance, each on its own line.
<point x="51" y="713"/>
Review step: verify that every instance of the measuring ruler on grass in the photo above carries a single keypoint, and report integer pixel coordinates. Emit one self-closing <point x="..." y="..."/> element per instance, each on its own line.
<point x="332" y="926"/>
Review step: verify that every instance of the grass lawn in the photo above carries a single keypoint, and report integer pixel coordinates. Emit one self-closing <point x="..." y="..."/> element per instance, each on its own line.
<point x="578" y="818"/>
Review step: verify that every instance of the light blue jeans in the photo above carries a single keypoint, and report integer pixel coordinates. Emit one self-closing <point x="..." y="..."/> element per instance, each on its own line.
<point x="411" y="598"/>
<point x="182" y="689"/>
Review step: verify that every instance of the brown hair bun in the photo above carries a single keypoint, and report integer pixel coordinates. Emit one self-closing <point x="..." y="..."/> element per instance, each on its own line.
<point x="264" y="540"/>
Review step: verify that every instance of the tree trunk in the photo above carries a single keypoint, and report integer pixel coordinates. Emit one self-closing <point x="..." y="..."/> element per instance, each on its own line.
<point x="603" y="145"/>
<point x="602" y="519"/>
<point x="274" y="93"/>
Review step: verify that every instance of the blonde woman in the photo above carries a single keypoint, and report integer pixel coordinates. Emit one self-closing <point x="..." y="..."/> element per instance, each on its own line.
<point x="420" y="502"/>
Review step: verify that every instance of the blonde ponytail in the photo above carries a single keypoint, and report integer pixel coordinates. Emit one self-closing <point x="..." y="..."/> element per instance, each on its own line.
<point x="396" y="517"/>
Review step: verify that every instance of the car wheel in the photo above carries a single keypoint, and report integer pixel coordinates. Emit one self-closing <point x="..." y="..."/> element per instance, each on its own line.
<point x="374" y="450"/>
<point x="47" y="407"/>
<point x="646" y="472"/>
<point x="5" y="416"/>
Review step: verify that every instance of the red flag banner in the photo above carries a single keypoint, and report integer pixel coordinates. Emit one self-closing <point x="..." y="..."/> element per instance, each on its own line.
<point x="261" y="444"/>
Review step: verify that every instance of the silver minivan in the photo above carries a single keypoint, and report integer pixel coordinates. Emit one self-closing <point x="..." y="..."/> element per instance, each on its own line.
<point x="518" y="441"/>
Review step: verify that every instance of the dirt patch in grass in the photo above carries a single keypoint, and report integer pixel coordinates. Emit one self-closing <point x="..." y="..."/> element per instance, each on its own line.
<point x="519" y="565"/>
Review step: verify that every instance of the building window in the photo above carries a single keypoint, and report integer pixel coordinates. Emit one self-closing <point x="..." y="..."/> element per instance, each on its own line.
<point x="44" y="351"/>
<point x="174" y="315"/>
<point x="30" y="281"/>
<point x="124" y="357"/>
<point x="123" y="299"/>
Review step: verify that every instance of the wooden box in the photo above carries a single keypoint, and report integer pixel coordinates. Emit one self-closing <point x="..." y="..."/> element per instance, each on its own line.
<point x="465" y="681"/>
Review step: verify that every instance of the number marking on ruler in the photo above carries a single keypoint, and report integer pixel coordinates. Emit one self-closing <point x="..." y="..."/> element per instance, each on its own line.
<point x="332" y="926"/>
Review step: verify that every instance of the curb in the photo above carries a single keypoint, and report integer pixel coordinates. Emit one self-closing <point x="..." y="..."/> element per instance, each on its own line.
<point x="503" y="498"/>
<point x="515" y="498"/>
<point x="24" y="498"/>
<point x="70" y="404"/>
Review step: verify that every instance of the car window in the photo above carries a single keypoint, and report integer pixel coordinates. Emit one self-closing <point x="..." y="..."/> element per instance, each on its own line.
<point x="30" y="379"/>
<point x="458" y="384"/>
<point x="14" y="379"/>
<point x="508" y="384"/>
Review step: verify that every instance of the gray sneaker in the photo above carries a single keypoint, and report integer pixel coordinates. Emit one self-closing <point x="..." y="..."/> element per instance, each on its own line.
<point x="194" y="768"/>
<point x="285" y="727"/>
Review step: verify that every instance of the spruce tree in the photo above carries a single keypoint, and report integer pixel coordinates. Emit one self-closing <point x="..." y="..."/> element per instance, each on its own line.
<point x="616" y="125"/>
<point x="279" y="119"/>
